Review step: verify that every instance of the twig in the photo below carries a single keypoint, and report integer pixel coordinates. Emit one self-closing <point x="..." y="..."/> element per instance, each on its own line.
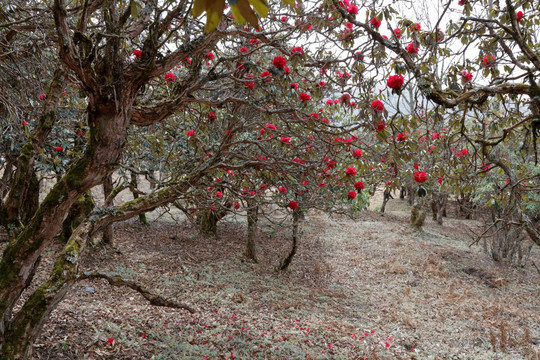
<point x="154" y="299"/>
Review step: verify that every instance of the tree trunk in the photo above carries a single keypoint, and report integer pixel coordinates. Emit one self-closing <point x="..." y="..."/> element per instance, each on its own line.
<point x="411" y="195"/>
<point x="135" y="184"/>
<point x="27" y="324"/>
<point x="418" y="214"/>
<point x="108" y="232"/>
<point x="208" y="222"/>
<point x="402" y="192"/>
<point x="252" y="219"/>
<point x="76" y="215"/>
<point x="287" y="261"/>
<point x="108" y="131"/>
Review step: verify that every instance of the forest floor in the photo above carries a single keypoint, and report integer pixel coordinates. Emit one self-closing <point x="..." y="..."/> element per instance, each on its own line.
<point x="368" y="287"/>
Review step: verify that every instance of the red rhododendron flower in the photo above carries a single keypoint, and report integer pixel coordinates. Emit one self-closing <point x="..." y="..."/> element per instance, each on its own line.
<point x="282" y="189"/>
<point x="110" y="341"/>
<point x="209" y="56"/>
<point x="294" y="86"/>
<point x="401" y="137"/>
<point x="357" y="153"/>
<point x="284" y="18"/>
<point x="219" y="194"/>
<point x="411" y="49"/>
<point x="420" y="176"/>
<point x="285" y="140"/>
<point x="304" y="97"/>
<point x="190" y="133"/>
<point x="462" y="2"/>
<point x="359" y="185"/>
<point x="212" y="116"/>
<point x="352" y="9"/>
<point x="467" y="75"/>
<point x="266" y="75"/>
<point x="351" y="194"/>
<point x="58" y="149"/>
<point x="244" y="50"/>
<point x="416" y="26"/>
<point x="351" y="170"/>
<point x="488" y="60"/>
<point x="377" y="105"/>
<point x="519" y="15"/>
<point x="293" y="205"/>
<point x="42" y="97"/>
<point x="397" y="31"/>
<point x="395" y="81"/>
<point x="270" y="126"/>
<point x="250" y="85"/>
<point x="236" y="205"/>
<point x="279" y="62"/>
<point x="297" y="50"/>
<point x="170" y="77"/>
<point x="381" y="126"/>
<point x="416" y="166"/>
<point x="376" y="23"/>
<point x="137" y="53"/>
<point x="464" y="152"/>
<point x="286" y="71"/>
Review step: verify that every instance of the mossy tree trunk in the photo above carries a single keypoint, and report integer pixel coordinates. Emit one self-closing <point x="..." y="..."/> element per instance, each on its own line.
<point x="108" y="232"/>
<point x="252" y="220"/>
<point x="23" y="196"/>
<point x="26" y="325"/>
<point x="287" y="261"/>
<point x="76" y="215"/>
<point x="108" y="131"/>
<point x="135" y="184"/>
<point x="418" y="214"/>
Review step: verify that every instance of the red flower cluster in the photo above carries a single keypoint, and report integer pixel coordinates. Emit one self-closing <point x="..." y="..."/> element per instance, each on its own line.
<point x="420" y="176"/>
<point x="351" y="194"/>
<point x="58" y="149"/>
<point x="212" y="116"/>
<point x="488" y="61"/>
<point x="411" y="49"/>
<point x="416" y="27"/>
<point x="297" y="50"/>
<point x="467" y="75"/>
<point x="170" y="77"/>
<point x="304" y="97"/>
<point x="376" y="23"/>
<point x="401" y="137"/>
<point x="520" y="15"/>
<point x="266" y="76"/>
<point x="377" y="105"/>
<point x="209" y="56"/>
<point x="397" y="31"/>
<point x="350" y="171"/>
<point x="359" y="185"/>
<point x="357" y="153"/>
<point x="395" y="81"/>
<point x="279" y="62"/>
<point x="137" y="53"/>
<point x="381" y="126"/>
<point x="293" y="205"/>
<point x="190" y="133"/>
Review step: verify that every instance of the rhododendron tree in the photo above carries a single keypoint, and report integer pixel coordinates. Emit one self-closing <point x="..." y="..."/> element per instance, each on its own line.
<point x="327" y="107"/>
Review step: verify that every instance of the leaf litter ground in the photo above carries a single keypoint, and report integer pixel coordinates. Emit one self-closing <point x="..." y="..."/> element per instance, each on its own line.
<point x="358" y="288"/>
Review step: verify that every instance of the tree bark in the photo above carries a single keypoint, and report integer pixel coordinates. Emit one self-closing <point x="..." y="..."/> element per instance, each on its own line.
<point x="287" y="261"/>
<point x="108" y="233"/>
<point x="252" y="219"/>
<point x="76" y="215"/>
<point x="135" y="184"/>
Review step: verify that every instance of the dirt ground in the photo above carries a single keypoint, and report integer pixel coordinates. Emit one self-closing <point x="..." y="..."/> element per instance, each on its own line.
<point x="368" y="287"/>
